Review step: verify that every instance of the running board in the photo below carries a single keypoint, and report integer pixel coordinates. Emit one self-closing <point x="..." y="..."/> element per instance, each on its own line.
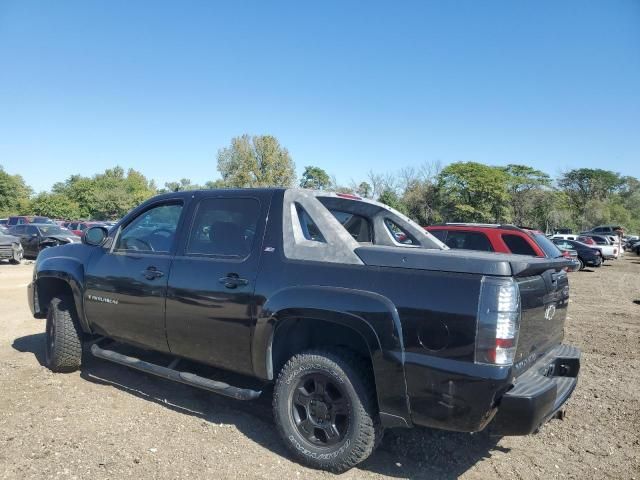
<point x="175" y="375"/>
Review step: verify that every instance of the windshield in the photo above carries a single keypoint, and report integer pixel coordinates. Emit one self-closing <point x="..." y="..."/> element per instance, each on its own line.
<point x="53" y="230"/>
<point x="548" y="247"/>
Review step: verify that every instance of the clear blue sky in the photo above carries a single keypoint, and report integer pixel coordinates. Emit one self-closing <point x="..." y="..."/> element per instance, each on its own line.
<point x="348" y="86"/>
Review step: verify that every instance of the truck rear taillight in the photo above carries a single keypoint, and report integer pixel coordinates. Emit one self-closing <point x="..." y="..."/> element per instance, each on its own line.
<point x="498" y="321"/>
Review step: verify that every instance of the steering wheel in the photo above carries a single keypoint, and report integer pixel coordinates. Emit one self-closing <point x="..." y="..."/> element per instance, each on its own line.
<point x="164" y="229"/>
<point x="131" y="244"/>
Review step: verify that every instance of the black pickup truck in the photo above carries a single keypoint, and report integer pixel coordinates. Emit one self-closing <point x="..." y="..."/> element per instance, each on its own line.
<point x="360" y="318"/>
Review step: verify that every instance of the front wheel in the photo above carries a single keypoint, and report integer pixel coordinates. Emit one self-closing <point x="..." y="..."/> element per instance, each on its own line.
<point x="16" y="259"/>
<point x="63" y="349"/>
<point x="581" y="264"/>
<point x="325" y="409"/>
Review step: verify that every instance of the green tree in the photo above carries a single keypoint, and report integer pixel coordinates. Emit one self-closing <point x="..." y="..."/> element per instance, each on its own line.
<point x="391" y="199"/>
<point x="522" y="181"/>
<point x="179" y="186"/>
<point x="14" y="194"/>
<point x="585" y="184"/>
<point x="106" y="195"/>
<point x="54" y="205"/>
<point x="473" y="192"/>
<point x="422" y="202"/>
<point x="315" y="178"/>
<point x="256" y="161"/>
<point x="364" y="190"/>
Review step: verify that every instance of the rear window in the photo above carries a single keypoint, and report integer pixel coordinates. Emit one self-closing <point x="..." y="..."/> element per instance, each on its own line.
<point x="519" y="246"/>
<point x="548" y="247"/>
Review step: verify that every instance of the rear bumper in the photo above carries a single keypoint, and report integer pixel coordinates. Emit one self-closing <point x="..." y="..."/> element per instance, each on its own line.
<point x="539" y="393"/>
<point x="593" y="262"/>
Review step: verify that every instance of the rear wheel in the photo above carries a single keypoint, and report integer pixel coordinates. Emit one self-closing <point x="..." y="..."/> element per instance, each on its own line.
<point x="63" y="349"/>
<point x="325" y="409"/>
<point x="581" y="263"/>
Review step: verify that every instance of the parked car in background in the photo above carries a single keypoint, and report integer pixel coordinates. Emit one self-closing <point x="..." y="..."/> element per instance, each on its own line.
<point x="587" y="255"/>
<point x="495" y="238"/>
<point x="608" y="250"/>
<point x="78" y="228"/>
<point x="36" y="237"/>
<point x="564" y="236"/>
<point x="24" y="220"/>
<point x="3" y="221"/>
<point x="606" y="229"/>
<point x="10" y="247"/>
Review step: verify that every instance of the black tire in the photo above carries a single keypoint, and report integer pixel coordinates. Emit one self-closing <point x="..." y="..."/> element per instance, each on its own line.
<point x="16" y="259"/>
<point x="63" y="348"/>
<point x="581" y="264"/>
<point x="345" y="406"/>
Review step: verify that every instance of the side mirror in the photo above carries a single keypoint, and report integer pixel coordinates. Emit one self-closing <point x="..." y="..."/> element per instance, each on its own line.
<point x="95" y="236"/>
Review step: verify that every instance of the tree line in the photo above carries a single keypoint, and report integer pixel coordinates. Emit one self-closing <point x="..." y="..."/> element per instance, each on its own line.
<point x="460" y="192"/>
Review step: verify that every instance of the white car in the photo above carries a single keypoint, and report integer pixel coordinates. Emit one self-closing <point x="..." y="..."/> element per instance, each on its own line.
<point x="565" y="236"/>
<point x="603" y="243"/>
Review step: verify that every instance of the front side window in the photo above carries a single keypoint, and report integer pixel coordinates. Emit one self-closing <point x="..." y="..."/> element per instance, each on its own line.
<point x="518" y="245"/>
<point x="31" y="230"/>
<point x="154" y="230"/>
<point x="224" y="227"/>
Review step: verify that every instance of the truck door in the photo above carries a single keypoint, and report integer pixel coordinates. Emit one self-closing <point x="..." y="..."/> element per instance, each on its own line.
<point x="126" y="284"/>
<point x="210" y="301"/>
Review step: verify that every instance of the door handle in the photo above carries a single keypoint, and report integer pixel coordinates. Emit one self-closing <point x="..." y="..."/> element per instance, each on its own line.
<point x="151" y="273"/>
<point x="233" y="280"/>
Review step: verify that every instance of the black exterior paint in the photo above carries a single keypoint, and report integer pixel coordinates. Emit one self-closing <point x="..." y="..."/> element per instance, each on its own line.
<point x="418" y="325"/>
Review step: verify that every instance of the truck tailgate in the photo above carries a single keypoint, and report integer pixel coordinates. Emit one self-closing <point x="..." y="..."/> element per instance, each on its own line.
<point x="544" y="301"/>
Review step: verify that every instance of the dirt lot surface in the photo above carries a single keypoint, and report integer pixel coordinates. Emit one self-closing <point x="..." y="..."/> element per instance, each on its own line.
<point x="109" y="422"/>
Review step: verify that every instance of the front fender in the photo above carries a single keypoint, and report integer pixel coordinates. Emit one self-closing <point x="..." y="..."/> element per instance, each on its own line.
<point x="371" y="315"/>
<point x="68" y="269"/>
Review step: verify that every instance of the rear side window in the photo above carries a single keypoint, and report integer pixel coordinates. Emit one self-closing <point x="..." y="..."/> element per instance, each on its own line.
<point x="468" y="241"/>
<point x="224" y="227"/>
<point x="31" y="230"/>
<point x="357" y="226"/>
<point x="439" y="234"/>
<point x="309" y="228"/>
<point x="519" y="246"/>
<point x="19" y="229"/>
<point x="399" y="234"/>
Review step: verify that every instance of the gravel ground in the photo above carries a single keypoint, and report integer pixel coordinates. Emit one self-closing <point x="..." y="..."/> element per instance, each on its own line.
<point x="109" y="422"/>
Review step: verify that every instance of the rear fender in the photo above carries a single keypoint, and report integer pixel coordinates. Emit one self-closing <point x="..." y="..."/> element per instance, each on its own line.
<point x="372" y="316"/>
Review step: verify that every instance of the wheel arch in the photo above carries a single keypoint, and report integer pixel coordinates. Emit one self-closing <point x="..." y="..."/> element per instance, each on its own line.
<point x="299" y="318"/>
<point x="56" y="276"/>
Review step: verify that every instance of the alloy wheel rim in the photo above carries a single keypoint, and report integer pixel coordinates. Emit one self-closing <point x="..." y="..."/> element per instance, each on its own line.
<point x="320" y="410"/>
